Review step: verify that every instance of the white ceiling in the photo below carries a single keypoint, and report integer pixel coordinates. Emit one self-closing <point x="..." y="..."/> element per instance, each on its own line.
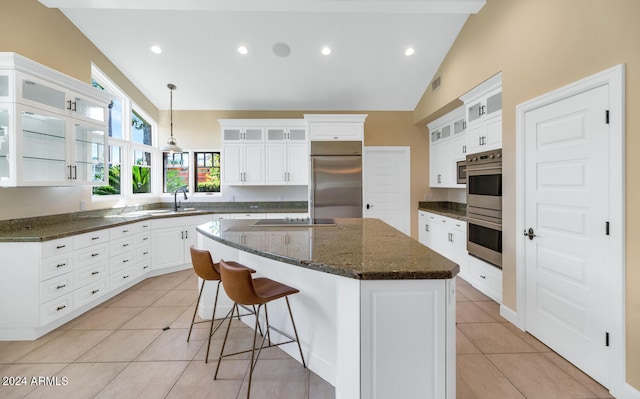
<point x="367" y="69"/>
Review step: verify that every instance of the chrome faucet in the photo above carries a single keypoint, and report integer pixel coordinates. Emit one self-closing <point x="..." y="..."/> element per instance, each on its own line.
<point x="176" y="203"/>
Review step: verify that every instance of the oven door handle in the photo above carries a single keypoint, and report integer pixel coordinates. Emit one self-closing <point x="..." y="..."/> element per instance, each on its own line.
<point x="474" y="168"/>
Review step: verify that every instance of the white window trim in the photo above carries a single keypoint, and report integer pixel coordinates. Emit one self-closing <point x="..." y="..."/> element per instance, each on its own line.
<point x="192" y="168"/>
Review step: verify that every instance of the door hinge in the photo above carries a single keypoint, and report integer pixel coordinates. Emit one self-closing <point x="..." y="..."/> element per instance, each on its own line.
<point x="607" y="117"/>
<point x="606" y="339"/>
<point x="607" y="228"/>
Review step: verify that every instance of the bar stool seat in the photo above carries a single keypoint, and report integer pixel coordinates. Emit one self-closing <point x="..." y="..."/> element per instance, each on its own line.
<point x="245" y="290"/>
<point x="208" y="270"/>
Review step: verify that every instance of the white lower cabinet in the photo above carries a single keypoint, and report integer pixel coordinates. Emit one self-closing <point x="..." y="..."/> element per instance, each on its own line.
<point x="448" y="237"/>
<point x="171" y="239"/>
<point x="45" y="284"/>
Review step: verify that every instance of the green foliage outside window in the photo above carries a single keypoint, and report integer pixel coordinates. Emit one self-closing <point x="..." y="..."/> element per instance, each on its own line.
<point x="114" y="182"/>
<point x="141" y="176"/>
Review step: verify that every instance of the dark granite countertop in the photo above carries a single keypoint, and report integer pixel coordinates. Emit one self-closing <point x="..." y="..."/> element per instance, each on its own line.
<point x="453" y="210"/>
<point x="364" y="249"/>
<point x="47" y="228"/>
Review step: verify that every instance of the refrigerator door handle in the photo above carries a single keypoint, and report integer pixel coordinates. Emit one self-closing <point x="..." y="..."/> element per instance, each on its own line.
<point x="312" y="188"/>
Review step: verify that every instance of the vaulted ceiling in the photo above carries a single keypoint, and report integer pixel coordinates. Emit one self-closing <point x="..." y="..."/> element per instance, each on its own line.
<point x="283" y="68"/>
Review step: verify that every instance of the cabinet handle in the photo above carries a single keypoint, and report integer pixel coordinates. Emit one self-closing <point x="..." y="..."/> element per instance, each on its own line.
<point x="481" y="276"/>
<point x="95" y="238"/>
<point x="127" y="276"/>
<point x="426" y="227"/>
<point x="464" y="125"/>
<point x="182" y="235"/>
<point x="482" y="108"/>
<point x="439" y="180"/>
<point x="464" y="149"/>
<point x="125" y="260"/>
<point x="145" y="238"/>
<point x="146" y="267"/>
<point x="59" y="308"/>
<point x="69" y="105"/>
<point x="60" y="246"/>
<point x="73" y="106"/>
<point x="125" y="231"/>
<point x="145" y="253"/>
<point x="94" y="273"/>
<point x="61" y="286"/>
<point x="94" y="292"/>
<point x="186" y="234"/>
<point x="94" y="255"/>
<point x="60" y="265"/>
<point x="75" y="172"/>
<point x="125" y="245"/>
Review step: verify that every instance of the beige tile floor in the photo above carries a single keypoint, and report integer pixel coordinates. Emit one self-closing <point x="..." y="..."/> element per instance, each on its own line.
<point x="120" y="350"/>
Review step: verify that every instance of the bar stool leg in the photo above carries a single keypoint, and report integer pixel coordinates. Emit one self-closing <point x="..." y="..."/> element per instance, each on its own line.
<point x="193" y="319"/>
<point x="266" y="316"/>
<point x="253" y="349"/>
<point x="230" y="317"/>
<point x="295" y="331"/>
<point x="213" y="320"/>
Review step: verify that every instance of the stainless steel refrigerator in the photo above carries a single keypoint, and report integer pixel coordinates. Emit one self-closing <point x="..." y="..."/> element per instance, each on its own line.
<point x="336" y="179"/>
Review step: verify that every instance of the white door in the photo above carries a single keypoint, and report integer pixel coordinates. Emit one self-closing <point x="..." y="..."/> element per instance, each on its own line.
<point x="567" y="208"/>
<point x="386" y="177"/>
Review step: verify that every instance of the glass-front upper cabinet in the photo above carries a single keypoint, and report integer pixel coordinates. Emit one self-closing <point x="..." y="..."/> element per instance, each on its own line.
<point x="89" y="110"/>
<point x="89" y="155"/>
<point x="286" y="134"/>
<point x="7" y="175"/>
<point x="43" y="149"/>
<point x="6" y="77"/>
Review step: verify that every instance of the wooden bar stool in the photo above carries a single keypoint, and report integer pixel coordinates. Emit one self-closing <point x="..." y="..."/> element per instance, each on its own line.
<point x="245" y="290"/>
<point x="207" y="270"/>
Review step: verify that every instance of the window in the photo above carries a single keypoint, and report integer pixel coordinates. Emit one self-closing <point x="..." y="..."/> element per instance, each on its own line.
<point x="176" y="171"/>
<point x="114" y="165"/>
<point x="207" y="174"/>
<point x="130" y="145"/>
<point x="141" y="172"/>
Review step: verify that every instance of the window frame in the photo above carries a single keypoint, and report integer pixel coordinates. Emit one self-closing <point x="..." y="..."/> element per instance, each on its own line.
<point x="192" y="175"/>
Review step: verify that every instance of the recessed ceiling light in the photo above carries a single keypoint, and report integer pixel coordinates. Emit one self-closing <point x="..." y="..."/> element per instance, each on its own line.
<point x="156" y="49"/>
<point x="409" y="51"/>
<point x="243" y="50"/>
<point x="326" y="51"/>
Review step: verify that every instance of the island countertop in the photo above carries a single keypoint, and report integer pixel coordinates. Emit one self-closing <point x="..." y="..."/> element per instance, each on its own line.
<point x="364" y="249"/>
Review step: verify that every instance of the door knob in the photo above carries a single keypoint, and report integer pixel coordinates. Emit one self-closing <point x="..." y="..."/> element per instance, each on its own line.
<point x="529" y="233"/>
<point x="369" y="206"/>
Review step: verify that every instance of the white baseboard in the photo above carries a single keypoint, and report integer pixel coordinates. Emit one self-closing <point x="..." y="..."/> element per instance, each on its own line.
<point x="626" y="392"/>
<point x="510" y="315"/>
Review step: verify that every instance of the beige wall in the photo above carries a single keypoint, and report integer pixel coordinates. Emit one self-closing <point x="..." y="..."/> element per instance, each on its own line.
<point x="540" y="45"/>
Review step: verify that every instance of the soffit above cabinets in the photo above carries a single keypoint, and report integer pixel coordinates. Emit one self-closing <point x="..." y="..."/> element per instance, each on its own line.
<point x="366" y="70"/>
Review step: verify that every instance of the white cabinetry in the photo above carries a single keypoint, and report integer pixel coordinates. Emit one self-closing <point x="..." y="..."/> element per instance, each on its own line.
<point x="287" y="156"/>
<point x="447" y="146"/>
<point x="91" y="269"/>
<point x="52" y="127"/>
<point x="324" y="127"/>
<point x="171" y="239"/>
<point x="264" y="152"/>
<point x="242" y="155"/>
<point x="448" y="237"/>
<point x="483" y="106"/>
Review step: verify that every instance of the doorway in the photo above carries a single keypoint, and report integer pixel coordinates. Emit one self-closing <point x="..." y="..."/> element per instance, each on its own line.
<point x="570" y="256"/>
<point x="386" y="185"/>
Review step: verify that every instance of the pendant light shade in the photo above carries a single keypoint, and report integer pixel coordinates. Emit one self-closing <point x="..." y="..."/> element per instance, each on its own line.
<point x="172" y="144"/>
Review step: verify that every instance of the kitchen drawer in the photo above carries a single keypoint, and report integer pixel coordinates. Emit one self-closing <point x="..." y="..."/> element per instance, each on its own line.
<point x="143" y="267"/>
<point x="121" y="261"/>
<point x="143" y="238"/>
<point x="56" y="308"/>
<point x="459" y="225"/>
<point x="122" y="277"/>
<point x="336" y="131"/>
<point x="91" y="273"/>
<point x="55" y="247"/>
<point x="90" y="292"/>
<point x="56" y="287"/>
<point x="487" y="276"/>
<point x="87" y="256"/>
<point x="143" y="226"/>
<point x="121" y="245"/>
<point x="124" y="230"/>
<point x="143" y="253"/>
<point x="56" y="266"/>
<point x="88" y="239"/>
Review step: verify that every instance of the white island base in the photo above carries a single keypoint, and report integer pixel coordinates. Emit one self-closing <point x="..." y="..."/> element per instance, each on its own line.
<point x="368" y="338"/>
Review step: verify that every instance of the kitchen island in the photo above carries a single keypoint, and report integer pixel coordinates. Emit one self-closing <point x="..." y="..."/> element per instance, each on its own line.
<point x="376" y="309"/>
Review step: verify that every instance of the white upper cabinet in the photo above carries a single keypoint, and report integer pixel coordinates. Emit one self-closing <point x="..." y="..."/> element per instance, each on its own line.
<point x="52" y="127"/>
<point x="265" y="152"/>
<point x="287" y="156"/>
<point x="484" y="115"/>
<point x="328" y="127"/>
<point x="447" y="145"/>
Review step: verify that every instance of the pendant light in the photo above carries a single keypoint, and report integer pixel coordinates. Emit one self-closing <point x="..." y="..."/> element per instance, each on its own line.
<point x="172" y="145"/>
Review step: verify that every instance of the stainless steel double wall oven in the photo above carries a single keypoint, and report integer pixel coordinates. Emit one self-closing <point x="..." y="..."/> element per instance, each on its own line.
<point x="484" y="206"/>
